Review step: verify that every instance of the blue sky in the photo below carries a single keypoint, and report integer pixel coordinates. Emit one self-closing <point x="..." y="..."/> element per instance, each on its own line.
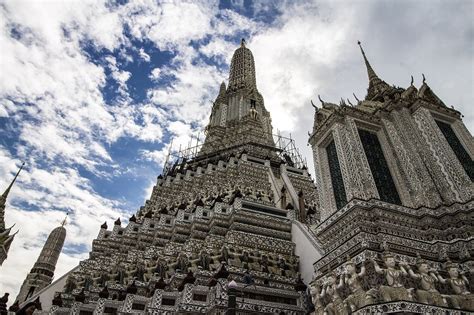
<point x="92" y="92"/>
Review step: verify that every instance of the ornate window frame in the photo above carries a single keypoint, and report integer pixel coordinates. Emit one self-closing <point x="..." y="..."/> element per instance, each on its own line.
<point x="325" y="188"/>
<point x="453" y="122"/>
<point x="389" y="156"/>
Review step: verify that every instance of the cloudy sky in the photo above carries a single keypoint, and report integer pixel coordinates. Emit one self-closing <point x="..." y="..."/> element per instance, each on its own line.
<point x="92" y="92"/>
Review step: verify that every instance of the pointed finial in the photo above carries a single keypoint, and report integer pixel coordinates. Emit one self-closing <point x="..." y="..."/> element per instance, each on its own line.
<point x="312" y="104"/>
<point x="319" y="97"/>
<point x="5" y="194"/>
<point x="348" y="101"/>
<point x="242" y="42"/>
<point x="424" y="79"/>
<point x="411" y="83"/>
<point x="65" y="218"/>
<point x="355" y="96"/>
<point x="370" y="71"/>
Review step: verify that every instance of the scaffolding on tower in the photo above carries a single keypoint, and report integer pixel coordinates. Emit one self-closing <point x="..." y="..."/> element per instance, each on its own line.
<point x="178" y="159"/>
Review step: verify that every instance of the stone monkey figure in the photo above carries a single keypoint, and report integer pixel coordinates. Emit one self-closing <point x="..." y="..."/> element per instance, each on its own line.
<point x="395" y="290"/>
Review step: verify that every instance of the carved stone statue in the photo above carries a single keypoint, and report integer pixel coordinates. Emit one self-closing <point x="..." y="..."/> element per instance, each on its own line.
<point x="204" y="260"/>
<point x="336" y="305"/>
<point x="70" y="285"/>
<point x="98" y="278"/>
<point x="282" y="265"/>
<point x="113" y="276"/>
<point x="224" y="254"/>
<point x="315" y="292"/>
<point x="462" y="298"/>
<point x="161" y="269"/>
<point x="182" y="263"/>
<point x="245" y="260"/>
<point x="221" y="256"/>
<point x="130" y="273"/>
<point x="358" y="297"/>
<point x="139" y="275"/>
<point x="395" y="290"/>
<point x="149" y="271"/>
<point x="264" y="264"/>
<point x="253" y="112"/>
<point x="427" y="292"/>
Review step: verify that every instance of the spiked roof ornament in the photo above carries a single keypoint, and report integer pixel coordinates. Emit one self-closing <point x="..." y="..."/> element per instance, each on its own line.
<point x="3" y="199"/>
<point x="63" y="223"/>
<point x="377" y="87"/>
<point x="370" y="71"/>
<point x="7" y="191"/>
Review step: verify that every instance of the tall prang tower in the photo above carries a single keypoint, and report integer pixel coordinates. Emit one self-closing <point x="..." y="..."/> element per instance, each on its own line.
<point x="395" y="182"/>
<point x="42" y="272"/>
<point x="232" y="210"/>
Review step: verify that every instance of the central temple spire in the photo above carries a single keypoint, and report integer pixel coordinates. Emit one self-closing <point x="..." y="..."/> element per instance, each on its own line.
<point x="238" y="115"/>
<point x="370" y="71"/>
<point x="242" y="69"/>
<point x="376" y="85"/>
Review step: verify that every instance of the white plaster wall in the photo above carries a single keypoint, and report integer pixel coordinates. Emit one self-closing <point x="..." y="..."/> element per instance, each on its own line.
<point x="306" y="248"/>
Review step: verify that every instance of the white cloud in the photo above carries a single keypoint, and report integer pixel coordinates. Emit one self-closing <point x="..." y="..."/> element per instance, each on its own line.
<point x="144" y="55"/>
<point x="169" y="24"/>
<point x="155" y="74"/>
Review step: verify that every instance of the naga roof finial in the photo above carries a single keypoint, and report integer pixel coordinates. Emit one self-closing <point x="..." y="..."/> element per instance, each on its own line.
<point x="355" y="96"/>
<point x="424" y="79"/>
<point x="411" y="83"/>
<point x="319" y="97"/>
